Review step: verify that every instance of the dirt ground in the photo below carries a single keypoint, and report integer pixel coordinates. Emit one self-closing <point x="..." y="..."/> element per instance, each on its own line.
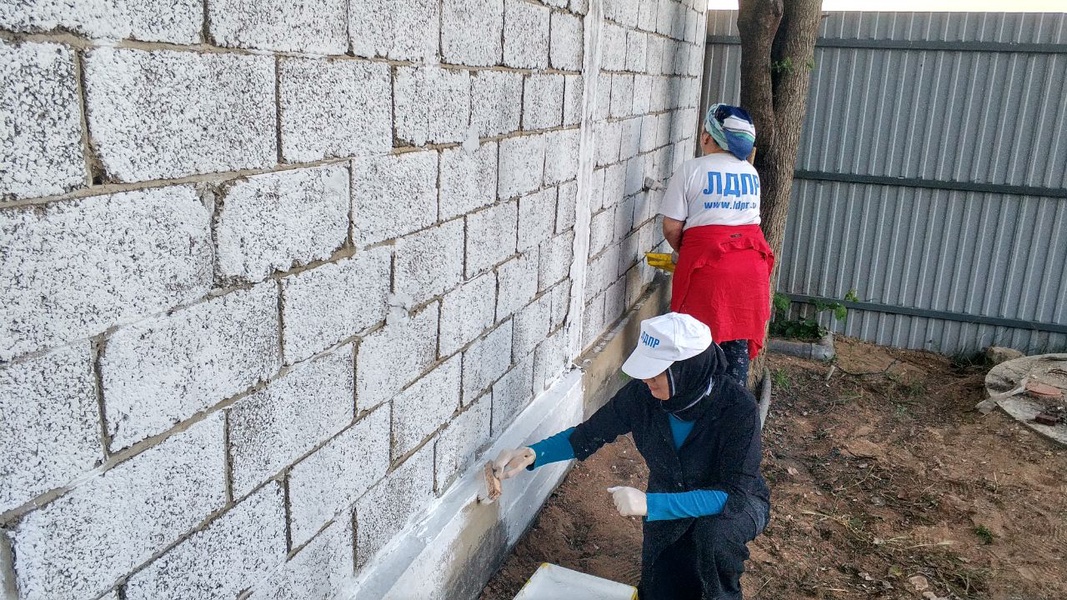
<point x="885" y="483"/>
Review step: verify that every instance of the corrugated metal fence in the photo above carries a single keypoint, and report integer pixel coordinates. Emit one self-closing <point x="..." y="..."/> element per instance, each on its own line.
<point x="931" y="177"/>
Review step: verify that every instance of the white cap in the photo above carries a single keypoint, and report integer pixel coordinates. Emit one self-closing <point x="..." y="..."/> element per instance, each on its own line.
<point x="664" y="340"/>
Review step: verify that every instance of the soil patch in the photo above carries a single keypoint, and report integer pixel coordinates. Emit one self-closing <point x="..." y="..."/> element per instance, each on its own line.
<point x="885" y="482"/>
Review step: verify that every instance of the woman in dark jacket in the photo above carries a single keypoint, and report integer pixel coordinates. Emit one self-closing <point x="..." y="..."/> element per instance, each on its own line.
<point x="698" y="431"/>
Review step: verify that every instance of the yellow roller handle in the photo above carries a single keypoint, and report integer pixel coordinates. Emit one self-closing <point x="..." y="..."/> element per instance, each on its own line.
<point x="660" y="261"/>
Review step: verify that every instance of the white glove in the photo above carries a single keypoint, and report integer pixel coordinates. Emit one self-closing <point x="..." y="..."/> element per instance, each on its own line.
<point x="510" y="463"/>
<point x="630" y="502"/>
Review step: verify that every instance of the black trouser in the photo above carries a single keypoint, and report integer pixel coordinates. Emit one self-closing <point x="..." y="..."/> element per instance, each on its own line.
<point x="706" y="563"/>
<point x="736" y="352"/>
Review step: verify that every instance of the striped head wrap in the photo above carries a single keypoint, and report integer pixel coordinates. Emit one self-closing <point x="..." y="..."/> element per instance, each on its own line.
<point x="731" y="128"/>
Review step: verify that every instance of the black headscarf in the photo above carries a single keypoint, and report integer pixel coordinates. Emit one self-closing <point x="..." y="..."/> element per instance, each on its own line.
<point x="690" y="380"/>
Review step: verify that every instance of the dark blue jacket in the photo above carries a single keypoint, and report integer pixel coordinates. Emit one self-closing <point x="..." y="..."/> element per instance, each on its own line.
<point x="722" y="452"/>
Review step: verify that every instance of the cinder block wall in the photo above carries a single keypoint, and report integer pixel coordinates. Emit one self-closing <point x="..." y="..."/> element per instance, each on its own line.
<point x="275" y="272"/>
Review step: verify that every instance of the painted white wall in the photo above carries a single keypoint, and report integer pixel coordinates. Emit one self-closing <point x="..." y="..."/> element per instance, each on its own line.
<point x="275" y="277"/>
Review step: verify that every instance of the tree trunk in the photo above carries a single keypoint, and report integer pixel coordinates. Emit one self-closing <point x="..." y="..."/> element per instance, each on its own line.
<point x="777" y="56"/>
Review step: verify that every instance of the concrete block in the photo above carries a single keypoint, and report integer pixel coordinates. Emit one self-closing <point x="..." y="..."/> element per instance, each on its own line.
<point x="50" y="432"/>
<point x="550" y="359"/>
<point x="75" y="268"/>
<point x="646" y="16"/>
<point x="647" y="207"/>
<point x="680" y="64"/>
<point x="165" y="114"/>
<point x="522" y="165"/>
<point x="387" y="507"/>
<point x="511" y="394"/>
<point x="592" y="321"/>
<point x="596" y="193"/>
<point x="394" y="356"/>
<point x="396" y="29"/>
<point x="654" y="55"/>
<point x="531" y="327"/>
<point x="432" y="104"/>
<point x="628" y="253"/>
<point x="326" y="484"/>
<point x="542" y="101"/>
<point x="425" y="406"/>
<point x="567" y="42"/>
<point x="557" y="3"/>
<point x="624" y="12"/>
<point x="612" y="48"/>
<point x="466" y="312"/>
<point x="566" y="206"/>
<point x="491" y="236"/>
<point x="622" y="95"/>
<point x="537" y="219"/>
<point x="602" y="272"/>
<point x="319" y="571"/>
<point x="317" y="99"/>
<point x="631" y="138"/>
<point x="666" y="58"/>
<point x="177" y="21"/>
<point x="635" y="174"/>
<point x="614" y="303"/>
<point x="458" y="443"/>
<point x="580" y="6"/>
<point x="276" y="221"/>
<point x="665" y="17"/>
<point x="663" y="129"/>
<point x="40" y="149"/>
<point x="607" y="136"/>
<point x="429" y="262"/>
<point x="526" y="35"/>
<point x="573" y="88"/>
<point x="614" y="184"/>
<point x="658" y="94"/>
<point x="393" y="195"/>
<point x="272" y="428"/>
<point x="489" y="114"/>
<point x="561" y="303"/>
<point x="601" y="230"/>
<point x="649" y="130"/>
<point x="468" y="179"/>
<point x="561" y="155"/>
<point x="162" y="371"/>
<point x="244" y="545"/>
<point x="78" y="545"/>
<point x="316" y="27"/>
<point x="486" y="360"/>
<point x="624" y="217"/>
<point x="517" y="281"/>
<point x="696" y="63"/>
<point x="602" y="106"/>
<point x="642" y="94"/>
<point x="472" y="32"/>
<point x="643" y="207"/>
<point x="327" y="304"/>
<point x="636" y="51"/>
<point x="556" y="256"/>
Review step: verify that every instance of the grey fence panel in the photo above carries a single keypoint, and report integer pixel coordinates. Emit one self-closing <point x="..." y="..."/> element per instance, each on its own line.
<point x="984" y="117"/>
<point x="722" y="64"/>
<point x="931" y="177"/>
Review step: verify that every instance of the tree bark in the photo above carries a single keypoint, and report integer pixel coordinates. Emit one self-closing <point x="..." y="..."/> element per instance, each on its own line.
<point x="777" y="56"/>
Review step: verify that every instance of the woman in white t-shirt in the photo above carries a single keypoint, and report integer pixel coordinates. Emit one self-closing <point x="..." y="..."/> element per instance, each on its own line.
<point x="711" y="217"/>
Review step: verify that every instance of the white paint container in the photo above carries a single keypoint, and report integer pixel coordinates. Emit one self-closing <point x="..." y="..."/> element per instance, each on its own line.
<point x="553" y="582"/>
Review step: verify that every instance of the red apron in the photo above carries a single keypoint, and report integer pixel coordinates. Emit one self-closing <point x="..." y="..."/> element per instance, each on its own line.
<point x="723" y="278"/>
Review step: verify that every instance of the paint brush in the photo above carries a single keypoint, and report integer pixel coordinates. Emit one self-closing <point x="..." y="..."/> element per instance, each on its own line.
<point x="491" y="488"/>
